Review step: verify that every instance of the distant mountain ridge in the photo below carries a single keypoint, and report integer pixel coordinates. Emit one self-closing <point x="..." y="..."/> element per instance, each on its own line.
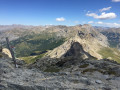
<point x="91" y="40"/>
<point x="113" y="35"/>
<point x="57" y="39"/>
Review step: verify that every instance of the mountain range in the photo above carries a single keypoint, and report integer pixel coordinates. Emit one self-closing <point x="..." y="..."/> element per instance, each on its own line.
<point x="55" y="41"/>
<point x="80" y="57"/>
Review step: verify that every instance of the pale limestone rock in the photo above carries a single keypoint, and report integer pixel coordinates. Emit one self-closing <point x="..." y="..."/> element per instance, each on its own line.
<point x="7" y="52"/>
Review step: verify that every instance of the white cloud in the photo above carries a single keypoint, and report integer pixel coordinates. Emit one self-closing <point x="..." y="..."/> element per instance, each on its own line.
<point x="116" y="0"/>
<point x="103" y="15"/>
<point x="116" y="24"/>
<point x="76" y="22"/>
<point x="105" y="9"/>
<point x="108" y="24"/>
<point x="99" y="22"/>
<point x="60" y="19"/>
<point x="90" y="22"/>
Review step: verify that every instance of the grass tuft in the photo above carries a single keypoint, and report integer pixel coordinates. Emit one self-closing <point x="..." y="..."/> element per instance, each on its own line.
<point x="1" y="56"/>
<point x="84" y="66"/>
<point x="91" y="70"/>
<point x="52" y="69"/>
<point x="110" y="72"/>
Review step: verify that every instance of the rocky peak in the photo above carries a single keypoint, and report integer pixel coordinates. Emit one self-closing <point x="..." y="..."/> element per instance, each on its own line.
<point x="76" y="50"/>
<point x="90" y="43"/>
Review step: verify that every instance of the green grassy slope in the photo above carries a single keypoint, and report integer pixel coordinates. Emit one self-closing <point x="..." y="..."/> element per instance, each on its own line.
<point x="31" y="59"/>
<point x="30" y="44"/>
<point x="112" y="53"/>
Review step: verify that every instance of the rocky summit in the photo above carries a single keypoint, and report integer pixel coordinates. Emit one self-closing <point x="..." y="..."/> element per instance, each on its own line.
<point x="68" y="73"/>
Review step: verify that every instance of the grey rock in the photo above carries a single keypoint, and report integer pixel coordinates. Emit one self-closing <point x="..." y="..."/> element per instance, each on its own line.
<point x="24" y="78"/>
<point x="99" y="81"/>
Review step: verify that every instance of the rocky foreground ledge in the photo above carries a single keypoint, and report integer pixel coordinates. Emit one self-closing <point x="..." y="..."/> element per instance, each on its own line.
<point x="82" y="75"/>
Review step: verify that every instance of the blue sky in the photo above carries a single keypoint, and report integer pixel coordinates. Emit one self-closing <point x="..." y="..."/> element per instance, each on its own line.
<point x="60" y="12"/>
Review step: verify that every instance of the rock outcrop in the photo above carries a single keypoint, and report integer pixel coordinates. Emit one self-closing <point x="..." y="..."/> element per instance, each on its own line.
<point x="7" y="52"/>
<point x="86" y="74"/>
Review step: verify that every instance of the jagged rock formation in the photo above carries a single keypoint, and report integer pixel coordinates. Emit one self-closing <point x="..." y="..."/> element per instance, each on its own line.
<point x="86" y="74"/>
